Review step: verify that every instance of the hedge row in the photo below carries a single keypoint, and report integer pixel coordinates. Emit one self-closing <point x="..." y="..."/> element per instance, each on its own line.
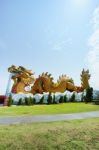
<point x="52" y="100"/>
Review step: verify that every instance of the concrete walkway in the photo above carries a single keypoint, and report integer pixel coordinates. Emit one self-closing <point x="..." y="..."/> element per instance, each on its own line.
<point x="46" y="118"/>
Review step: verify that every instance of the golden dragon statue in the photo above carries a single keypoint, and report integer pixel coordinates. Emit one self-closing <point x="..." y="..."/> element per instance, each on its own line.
<point x="44" y="83"/>
<point x="21" y="77"/>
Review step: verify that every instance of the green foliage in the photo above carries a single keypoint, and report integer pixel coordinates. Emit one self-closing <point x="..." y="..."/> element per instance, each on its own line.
<point x="33" y="100"/>
<point x="89" y="95"/>
<point x="82" y="97"/>
<point x="72" y="99"/>
<point x="10" y="101"/>
<point x="61" y="100"/>
<point x="65" y="98"/>
<point x="54" y="102"/>
<point x="20" y="102"/>
<point x="41" y="100"/>
<point x="49" y="100"/>
<point x="28" y="101"/>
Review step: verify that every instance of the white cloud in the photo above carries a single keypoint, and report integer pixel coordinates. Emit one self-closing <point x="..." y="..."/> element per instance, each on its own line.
<point x="93" y="54"/>
<point x="60" y="46"/>
<point x="56" y="47"/>
<point x="95" y="19"/>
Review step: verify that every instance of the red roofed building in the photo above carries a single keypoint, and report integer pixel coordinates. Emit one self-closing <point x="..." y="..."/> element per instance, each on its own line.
<point x="3" y="100"/>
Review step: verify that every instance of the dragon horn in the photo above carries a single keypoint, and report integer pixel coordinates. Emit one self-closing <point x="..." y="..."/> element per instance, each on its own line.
<point x="43" y="74"/>
<point x="46" y="73"/>
<point x="51" y="78"/>
<point x="49" y="75"/>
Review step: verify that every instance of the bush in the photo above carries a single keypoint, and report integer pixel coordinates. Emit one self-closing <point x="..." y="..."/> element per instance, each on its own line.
<point x="65" y="98"/>
<point x="20" y="102"/>
<point x="33" y="100"/>
<point x="10" y="101"/>
<point x="82" y="97"/>
<point x="28" y="101"/>
<point x="49" y="100"/>
<point x="61" y="100"/>
<point x="72" y="99"/>
<point x="54" y="102"/>
<point x="41" y="100"/>
<point x="89" y="95"/>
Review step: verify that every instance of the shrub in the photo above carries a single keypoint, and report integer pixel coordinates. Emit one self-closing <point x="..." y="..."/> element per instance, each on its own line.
<point x="82" y="97"/>
<point x="49" y="100"/>
<point x="54" y="102"/>
<point x="10" y="101"/>
<point x="61" y="100"/>
<point x="72" y="99"/>
<point x="89" y="95"/>
<point x="26" y="101"/>
<point x="41" y="100"/>
<point x="65" y="98"/>
<point x="33" y="100"/>
<point x="20" y="102"/>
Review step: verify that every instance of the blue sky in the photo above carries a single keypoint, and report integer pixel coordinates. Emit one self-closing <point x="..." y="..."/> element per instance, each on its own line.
<point x="50" y="35"/>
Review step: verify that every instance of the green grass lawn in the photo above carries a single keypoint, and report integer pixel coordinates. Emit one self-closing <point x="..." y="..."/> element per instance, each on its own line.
<point x="48" y="109"/>
<point x="63" y="135"/>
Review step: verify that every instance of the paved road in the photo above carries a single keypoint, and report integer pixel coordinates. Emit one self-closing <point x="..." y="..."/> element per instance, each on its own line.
<point x="46" y="118"/>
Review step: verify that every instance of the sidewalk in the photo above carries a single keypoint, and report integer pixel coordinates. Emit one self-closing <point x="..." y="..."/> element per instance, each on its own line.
<point x="46" y="118"/>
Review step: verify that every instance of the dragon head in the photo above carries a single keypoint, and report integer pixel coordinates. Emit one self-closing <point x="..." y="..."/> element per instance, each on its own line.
<point x="13" y="69"/>
<point x="21" y="74"/>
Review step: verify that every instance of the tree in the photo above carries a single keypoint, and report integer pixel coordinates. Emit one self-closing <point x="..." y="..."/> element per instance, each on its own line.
<point x="89" y="95"/>
<point x="41" y="100"/>
<point x="31" y="100"/>
<point x="54" y="102"/>
<point x="34" y="100"/>
<point x="10" y="100"/>
<point x="49" y="100"/>
<point x="72" y="99"/>
<point x="65" y="98"/>
<point x="28" y="101"/>
<point x="20" y="102"/>
<point x="82" y="97"/>
<point x="61" y="100"/>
